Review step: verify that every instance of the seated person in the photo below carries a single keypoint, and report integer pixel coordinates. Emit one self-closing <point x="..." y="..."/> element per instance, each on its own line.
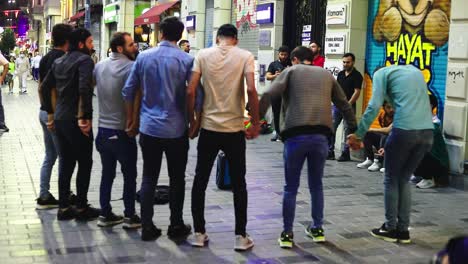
<point x="376" y="137"/>
<point x="434" y="167"/>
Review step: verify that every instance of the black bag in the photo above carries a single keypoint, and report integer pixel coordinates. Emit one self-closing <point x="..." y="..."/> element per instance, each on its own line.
<point x="223" y="177"/>
<point x="161" y="195"/>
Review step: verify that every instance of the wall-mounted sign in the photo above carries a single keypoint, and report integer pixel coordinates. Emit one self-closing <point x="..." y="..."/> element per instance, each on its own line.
<point x="336" y="14"/>
<point x="111" y="13"/>
<point x="190" y="23"/>
<point x="306" y="36"/>
<point x="335" y="43"/>
<point x="333" y="66"/>
<point x="265" y="13"/>
<point x="264" y="38"/>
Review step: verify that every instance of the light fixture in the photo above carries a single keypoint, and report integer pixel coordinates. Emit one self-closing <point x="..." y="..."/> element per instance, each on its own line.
<point x="176" y="14"/>
<point x="144" y="37"/>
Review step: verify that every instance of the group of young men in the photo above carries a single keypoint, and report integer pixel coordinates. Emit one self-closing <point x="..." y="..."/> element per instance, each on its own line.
<point x="159" y="96"/>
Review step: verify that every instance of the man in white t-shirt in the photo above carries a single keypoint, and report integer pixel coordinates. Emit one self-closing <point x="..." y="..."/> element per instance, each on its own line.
<point x="3" y="63"/>
<point x="223" y="70"/>
<point x="35" y="66"/>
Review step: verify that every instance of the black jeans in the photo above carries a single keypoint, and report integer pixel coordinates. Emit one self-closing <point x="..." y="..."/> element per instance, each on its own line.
<point x="430" y="167"/>
<point x="176" y="150"/>
<point x="276" y="108"/>
<point x="74" y="147"/>
<point x="116" y="145"/>
<point x="233" y="145"/>
<point x="374" y="139"/>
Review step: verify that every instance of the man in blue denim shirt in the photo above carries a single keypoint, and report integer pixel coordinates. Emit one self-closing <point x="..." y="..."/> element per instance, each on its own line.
<point x="162" y="74"/>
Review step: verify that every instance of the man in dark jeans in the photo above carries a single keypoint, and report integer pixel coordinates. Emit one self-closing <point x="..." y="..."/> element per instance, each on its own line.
<point x="223" y="68"/>
<point x="72" y="76"/>
<point x="162" y="74"/>
<point x="112" y="141"/>
<point x="274" y="70"/>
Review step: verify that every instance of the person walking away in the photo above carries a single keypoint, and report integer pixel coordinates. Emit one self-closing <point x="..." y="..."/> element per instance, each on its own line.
<point x="35" y="66"/>
<point x="4" y="64"/>
<point x="22" y="70"/>
<point x="11" y="74"/>
<point x="410" y="139"/>
<point x="72" y="75"/>
<point x="223" y="69"/>
<point x="162" y="74"/>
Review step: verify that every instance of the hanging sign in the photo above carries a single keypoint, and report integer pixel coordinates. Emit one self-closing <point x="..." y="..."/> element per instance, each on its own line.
<point x="335" y="43"/>
<point x="336" y="14"/>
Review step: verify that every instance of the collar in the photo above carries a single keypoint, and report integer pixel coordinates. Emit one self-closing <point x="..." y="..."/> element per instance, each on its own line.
<point x="117" y="56"/>
<point x="168" y="44"/>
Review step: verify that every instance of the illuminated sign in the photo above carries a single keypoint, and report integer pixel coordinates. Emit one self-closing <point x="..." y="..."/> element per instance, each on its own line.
<point x="190" y="24"/>
<point x="265" y="13"/>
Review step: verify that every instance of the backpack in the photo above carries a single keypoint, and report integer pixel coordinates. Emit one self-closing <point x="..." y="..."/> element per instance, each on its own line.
<point x="223" y="177"/>
<point x="161" y="195"/>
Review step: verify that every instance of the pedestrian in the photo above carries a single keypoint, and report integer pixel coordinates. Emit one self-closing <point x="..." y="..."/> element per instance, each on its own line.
<point x="274" y="70"/>
<point x="11" y="74"/>
<point x="60" y="39"/>
<point x="410" y="139"/>
<point x="72" y="75"/>
<point x="162" y="74"/>
<point x="4" y="64"/>
<point x="112" y="142"/>
<point x="350" y="80"/>
<point x="22" y="70"/>
<point x="316" y="48"/>
<point x="35" y="63"/>
<point x="184" y="45"/>
<point x="307" y="94"/>
<point x="222" y="70"/>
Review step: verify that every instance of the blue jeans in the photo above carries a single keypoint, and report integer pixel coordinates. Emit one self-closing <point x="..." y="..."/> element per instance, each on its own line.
<point x="404" y="150"/>
<point x="116" y="145"/>
<point x="297" y="149"/>
<point x="50" y="144"/>
<point x="337" y="118"/>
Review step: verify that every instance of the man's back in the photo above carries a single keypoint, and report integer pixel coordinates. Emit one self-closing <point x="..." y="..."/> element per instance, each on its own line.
<point x="223" y="69"/>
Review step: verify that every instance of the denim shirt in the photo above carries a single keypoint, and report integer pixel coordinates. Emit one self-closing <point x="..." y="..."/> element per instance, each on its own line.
<point x="163" y="74"/>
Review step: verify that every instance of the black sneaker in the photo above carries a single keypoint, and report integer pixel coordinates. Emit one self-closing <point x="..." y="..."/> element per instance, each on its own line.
<point x="87" y="214"/>
<point x="385" y="234"/>
<point x="286" y="240"/>
<point x="150" y="233"/>
<point x="316" y="234"/>
<point x="4" y="128"/>
<point x="110" y="220"/>
<point x="331" y="155"/>
<point x="179" y="230"/>
<point x="344" y="157"/>
<point x="133" y="222"/>
<point x="66" y="214"/>
<point x="46" y="203"/>
<point x="72" y="199"/>
<point x="404" y="237"/>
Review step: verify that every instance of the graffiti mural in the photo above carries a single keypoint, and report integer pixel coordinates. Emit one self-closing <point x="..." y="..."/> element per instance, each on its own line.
<point x="246" y="18"/>
<point x="409" y="32"/>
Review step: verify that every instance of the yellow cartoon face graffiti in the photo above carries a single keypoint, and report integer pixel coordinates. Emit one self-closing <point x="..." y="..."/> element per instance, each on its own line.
<point x="430" y="17"/>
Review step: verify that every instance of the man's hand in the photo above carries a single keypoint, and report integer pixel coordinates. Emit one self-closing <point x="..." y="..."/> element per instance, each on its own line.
<point x="354" y="142"/>
<point x="252" y="132"/>
<point x="381" y="152"/>
<point x="194" y="129"/>
<point x="85" y="126"/>
<point x="50" y="122"/>
<point x="132" y="128"/>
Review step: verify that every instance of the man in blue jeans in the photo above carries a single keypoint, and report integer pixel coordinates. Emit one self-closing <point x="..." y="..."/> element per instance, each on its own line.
<point x="410" y="139"/>
<point x="306" y="124"/>
<point x="113" y="142"/>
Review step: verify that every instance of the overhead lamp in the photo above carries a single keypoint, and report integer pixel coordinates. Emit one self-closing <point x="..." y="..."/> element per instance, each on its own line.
<point x="144" y="37"/>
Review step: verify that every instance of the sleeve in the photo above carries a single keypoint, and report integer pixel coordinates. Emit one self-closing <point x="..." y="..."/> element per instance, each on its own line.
<point x="279" y="86"/>
<point x="321" y="62"/>
<point x="85" y="87"/>
<point x="249" y="64"/>
<point x="271" y="68"/>
<point x="341" y="102"/>
<point x="196" y="64"/>
<point x="132" y="83"/>
<point x="42" y="70"/>
<point x="199" y="98"/>
<point x="375" y="103"/>
<point x="47" y="84"/>
<point x="358" y="82"/>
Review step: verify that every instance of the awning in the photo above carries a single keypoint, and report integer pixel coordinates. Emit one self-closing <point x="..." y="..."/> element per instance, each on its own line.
<point x="152" y="16"/>
<point x="77" y="16"/>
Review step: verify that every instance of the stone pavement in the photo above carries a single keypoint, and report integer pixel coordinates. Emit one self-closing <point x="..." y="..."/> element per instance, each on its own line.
<point x="354" y="204"/>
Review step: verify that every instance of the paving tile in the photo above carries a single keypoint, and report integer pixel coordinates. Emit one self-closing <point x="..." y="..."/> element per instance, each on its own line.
<point x="127" y="259"/>
<point x="299" y="259"/>
<point x="355" y="235"/>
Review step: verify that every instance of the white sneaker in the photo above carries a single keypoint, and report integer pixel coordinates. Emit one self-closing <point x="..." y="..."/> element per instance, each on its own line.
<point x="425" y="184"/>
<point x="199" y="240"/>
<point x="243" y="243"/>
<point x="365" y="164"/>
<point x="382" y="170"/>
<point x="375" y="166"/>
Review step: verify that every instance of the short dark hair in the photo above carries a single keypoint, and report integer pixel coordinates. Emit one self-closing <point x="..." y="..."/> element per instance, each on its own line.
<point x="182" y="42"/>
<point x="76" y="36"/>
<point x="283" y="48"/>
<point x="118" y="40"/>
<point x="171" y="28"/>
<point x="316" y="43"/>
<point x="227" y="30"/>
<point x="302" y="54"/>
<point x="349" y="54"/>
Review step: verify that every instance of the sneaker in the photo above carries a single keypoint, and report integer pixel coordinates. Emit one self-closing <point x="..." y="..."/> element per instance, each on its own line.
<point x="133" y="222"/>
<point x="404" y="237"/>
<point x="382" y="170"/>
<point x="199" y="240"/>
<point x="344" y="157"/>
<point x="150" y="233"/>
<point x="331" y="155"/>
<point x="72" y="199"/>
<point x="66" y="214"/>
<point x="316" y="234"/>
<point x="46" y="203"/>
<point x="110" y="220"/>
<point x="179" y="230"/>
<point x="275" y="138"/>
<point x="425" y="184"/>
<point x="415" y="179"/>
<point x="243" y="243"/>
<point x="385" y="234"/>
<point x="375" y="166"/>
<point x="365" y="164"/>
<point x="88" y="213"/>
<point x="4" y="128"/>
<point x="286" y="240"/>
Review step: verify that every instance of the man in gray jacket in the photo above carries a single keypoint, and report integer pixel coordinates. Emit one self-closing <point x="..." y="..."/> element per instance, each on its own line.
<point x="112" y="141"/>
<point x="305" y="125"/>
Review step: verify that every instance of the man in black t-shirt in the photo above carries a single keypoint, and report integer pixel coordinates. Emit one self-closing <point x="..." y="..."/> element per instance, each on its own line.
<point x="274" y="69"/>
<point x="350" y="81"/>
<point x="60" y="36"/>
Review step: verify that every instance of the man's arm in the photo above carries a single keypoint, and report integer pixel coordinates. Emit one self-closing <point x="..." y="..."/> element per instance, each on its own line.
<point x="271" y="73"/>
<point x="254" y="130"/>
<point x="191" y="94"/>
<point x="340" y="101"/>
<point x="384" y="130"/>
<point x="85" y="89"/>
<point x="355" y="97"/>
<point x="276" y="89"/>
<point x="132" y="97"/>
<point x="4" y="73"/>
